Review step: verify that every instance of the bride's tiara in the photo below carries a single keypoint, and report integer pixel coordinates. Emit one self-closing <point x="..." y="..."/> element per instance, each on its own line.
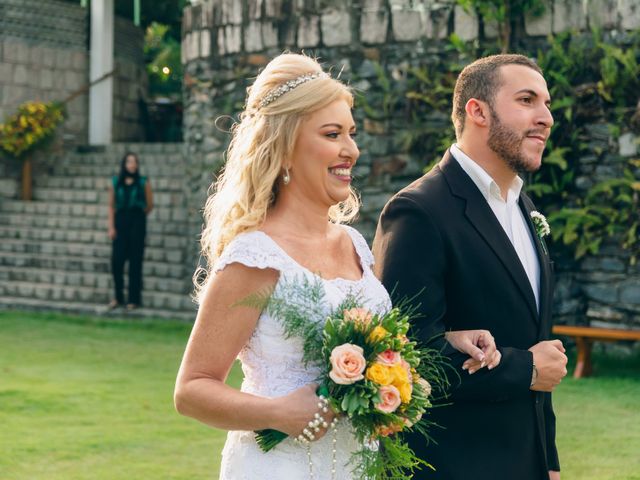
<point x="290" y="85"/>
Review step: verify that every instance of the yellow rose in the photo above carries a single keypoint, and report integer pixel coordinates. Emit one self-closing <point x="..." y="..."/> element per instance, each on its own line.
<point x="377" y="334"/>
<point x="400" y="374"/>
<point x="405" y="392"/>
<point x="380" y="374"/>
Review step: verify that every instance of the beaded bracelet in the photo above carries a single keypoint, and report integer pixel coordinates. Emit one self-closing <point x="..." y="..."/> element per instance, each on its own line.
<point x="313" y="427"/>
<point x="307" y="436"/>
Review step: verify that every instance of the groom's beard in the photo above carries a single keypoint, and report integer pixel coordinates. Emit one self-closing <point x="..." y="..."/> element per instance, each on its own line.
<point x="507" y="144"/>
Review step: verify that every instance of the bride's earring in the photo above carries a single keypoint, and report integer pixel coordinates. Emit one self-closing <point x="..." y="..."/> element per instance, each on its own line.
<point x="286" y="178"/>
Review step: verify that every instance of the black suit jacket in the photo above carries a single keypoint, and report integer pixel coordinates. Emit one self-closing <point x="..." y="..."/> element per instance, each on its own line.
<point x="439" y="239"/>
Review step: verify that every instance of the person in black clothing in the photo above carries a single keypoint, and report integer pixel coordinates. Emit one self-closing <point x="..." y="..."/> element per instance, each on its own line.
<point x="130" y="201"/>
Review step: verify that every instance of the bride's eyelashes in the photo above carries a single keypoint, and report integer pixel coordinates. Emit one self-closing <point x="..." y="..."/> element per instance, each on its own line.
<point x="335" y="135"/>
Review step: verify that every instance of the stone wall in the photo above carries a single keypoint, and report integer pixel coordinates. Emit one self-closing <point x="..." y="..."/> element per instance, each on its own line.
<point x="225" y="43"/>
<point x="602" y="289"/>
<point x="44" y="56"/>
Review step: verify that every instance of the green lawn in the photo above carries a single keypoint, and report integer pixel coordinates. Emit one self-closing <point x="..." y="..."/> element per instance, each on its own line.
<point x="91" y="399"/>
<point x="598" y="421"/>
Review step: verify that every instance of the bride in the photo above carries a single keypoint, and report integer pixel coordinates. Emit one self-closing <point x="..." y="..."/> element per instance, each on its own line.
<point x="278" y="212"/>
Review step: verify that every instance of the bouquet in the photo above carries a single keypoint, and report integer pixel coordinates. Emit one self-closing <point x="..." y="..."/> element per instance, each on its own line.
<point x="371" y="372"/>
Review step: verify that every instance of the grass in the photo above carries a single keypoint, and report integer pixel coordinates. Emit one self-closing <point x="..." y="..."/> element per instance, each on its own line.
<point x="598" y="420"/>
<point x="84" y="398"/>
<point x="90" y="399"/>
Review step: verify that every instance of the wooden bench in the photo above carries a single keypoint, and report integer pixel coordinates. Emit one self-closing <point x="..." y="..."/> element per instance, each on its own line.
<point x="585" y="336"/>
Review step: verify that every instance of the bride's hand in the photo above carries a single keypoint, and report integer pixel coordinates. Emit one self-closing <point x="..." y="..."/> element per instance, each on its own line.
<point x="479" y="345"/>
<point x="298" y="409"/>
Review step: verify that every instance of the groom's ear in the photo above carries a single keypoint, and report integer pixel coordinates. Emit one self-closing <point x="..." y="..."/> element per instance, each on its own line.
<point x="477" y="112"/>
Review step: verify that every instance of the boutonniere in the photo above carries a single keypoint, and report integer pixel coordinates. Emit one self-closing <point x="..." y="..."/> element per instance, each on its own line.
<point x="540" y="222"/>
<point x="542" y="226"/>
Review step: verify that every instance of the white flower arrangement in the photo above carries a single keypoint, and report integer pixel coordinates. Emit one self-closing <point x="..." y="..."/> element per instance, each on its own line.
<point x="540" y="222"/>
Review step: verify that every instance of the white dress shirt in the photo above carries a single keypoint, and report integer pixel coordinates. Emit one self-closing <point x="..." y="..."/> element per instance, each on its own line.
<point x="508" y="214"/>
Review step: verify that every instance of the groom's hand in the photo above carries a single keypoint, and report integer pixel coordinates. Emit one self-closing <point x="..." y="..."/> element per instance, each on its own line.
<point x="553" y="475"/>
<point x="551" y="364"/>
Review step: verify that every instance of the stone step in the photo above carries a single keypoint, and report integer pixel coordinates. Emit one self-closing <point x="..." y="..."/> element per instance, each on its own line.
<point x="98" y="237"/>
<point x="58" y="235"/>
<point x="85" y="223"/>
<point x="76" y="183"/>
<point x="70" y="196"/>
<point x="46" y="208"/>
<point x="170" y="256"/>
<point x="100" y="280"/>
<point x="97" y="265"/>
<point x="61" y="195"/>
<point x="148" y="161"/>
<point x="81" y="169"/>
<point x="55" y="253"/>
<point x="120" y="148"/>
<point x="160" y="185"/>
<point x="98" y="296"/>
<point x="34" y="304"/>
<point x="40" y="207"/>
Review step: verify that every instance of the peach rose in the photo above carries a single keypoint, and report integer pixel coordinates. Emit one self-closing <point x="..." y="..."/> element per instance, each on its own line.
<point x="347" y="364"/>
<point x="389" y="399"/>
<point x="359" y="316"/>
<point x="389" y="357"/>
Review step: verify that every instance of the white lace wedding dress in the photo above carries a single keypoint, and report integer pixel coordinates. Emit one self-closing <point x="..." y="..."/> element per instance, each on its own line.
<point x="273" y="367"/>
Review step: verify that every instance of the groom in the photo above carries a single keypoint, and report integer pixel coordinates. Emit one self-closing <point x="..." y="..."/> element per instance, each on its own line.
<point x="461" y="238"/>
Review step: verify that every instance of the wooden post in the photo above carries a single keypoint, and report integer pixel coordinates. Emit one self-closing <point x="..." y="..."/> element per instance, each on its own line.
<point x="583" y="363"/>
<point x="26" y="193"/>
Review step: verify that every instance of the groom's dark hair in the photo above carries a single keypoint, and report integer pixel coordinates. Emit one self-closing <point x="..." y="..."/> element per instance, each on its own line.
<point x="481" y="80"/>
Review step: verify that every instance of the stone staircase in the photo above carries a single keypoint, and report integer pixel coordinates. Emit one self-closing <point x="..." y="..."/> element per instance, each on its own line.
<point x="55" y="253"/>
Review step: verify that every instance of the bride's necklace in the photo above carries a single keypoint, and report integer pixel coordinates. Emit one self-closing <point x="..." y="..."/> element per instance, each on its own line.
<point x="334" y="440"/>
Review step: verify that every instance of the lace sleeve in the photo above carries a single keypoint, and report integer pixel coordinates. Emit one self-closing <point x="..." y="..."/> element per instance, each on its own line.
<point x="361" y="246"/>
<point x="253" y="250"/>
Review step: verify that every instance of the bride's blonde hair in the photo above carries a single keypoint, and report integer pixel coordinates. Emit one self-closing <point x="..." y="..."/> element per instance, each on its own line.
<point x="261" y="143"/>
